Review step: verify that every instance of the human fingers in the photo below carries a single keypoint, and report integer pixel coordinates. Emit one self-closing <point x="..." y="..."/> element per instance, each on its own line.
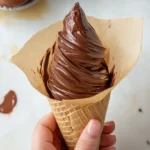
<point x="43" y="133"/>
<point x="109" y="127"/>
<point x="108" y="140"/>
<point x="108" y="148"/>
<point x="89" y="139"/>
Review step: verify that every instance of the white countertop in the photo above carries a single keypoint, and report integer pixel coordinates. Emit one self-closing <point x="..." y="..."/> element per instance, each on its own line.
<point x="132" y="127"/>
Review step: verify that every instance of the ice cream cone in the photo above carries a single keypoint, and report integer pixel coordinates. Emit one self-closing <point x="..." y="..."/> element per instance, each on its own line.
<point x="72" y="118"/>
<point x="123" y="41"/>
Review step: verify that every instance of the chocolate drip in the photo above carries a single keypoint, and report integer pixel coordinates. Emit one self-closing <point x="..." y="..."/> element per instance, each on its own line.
<point x="10" y="100"/>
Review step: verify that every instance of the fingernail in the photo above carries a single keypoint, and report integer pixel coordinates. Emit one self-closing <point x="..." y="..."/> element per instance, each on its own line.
<point x="109" y="122"/>
<point x="94" y="128"/>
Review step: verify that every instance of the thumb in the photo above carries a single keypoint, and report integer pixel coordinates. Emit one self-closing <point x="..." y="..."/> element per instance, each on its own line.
<point x="90" y="137"/>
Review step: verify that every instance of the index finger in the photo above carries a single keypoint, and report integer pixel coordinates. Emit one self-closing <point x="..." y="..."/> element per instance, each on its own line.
<point x="43" y="132"/>
<point x="48" y="122"/>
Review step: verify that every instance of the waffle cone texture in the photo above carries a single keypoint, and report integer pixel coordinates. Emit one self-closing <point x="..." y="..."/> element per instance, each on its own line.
<point x="72" y="118"/>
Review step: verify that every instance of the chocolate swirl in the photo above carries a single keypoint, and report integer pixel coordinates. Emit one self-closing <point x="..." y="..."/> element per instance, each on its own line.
<point x="78" y="69"/>
<point x="13" y="3"/>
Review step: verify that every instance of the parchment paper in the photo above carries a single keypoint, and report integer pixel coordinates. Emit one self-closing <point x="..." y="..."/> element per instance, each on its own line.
<point x="121" y="37"/>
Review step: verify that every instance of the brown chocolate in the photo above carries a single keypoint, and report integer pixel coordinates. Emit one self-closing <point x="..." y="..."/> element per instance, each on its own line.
<point x="12" y="3"/>
<point x="78" y="69"/>
<point x="140" y="110"/>
<point x="10" y="101"/>
<point x="148" y="142"/>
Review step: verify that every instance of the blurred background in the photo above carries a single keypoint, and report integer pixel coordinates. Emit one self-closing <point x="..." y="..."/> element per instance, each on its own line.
<point x="129" y="105"/>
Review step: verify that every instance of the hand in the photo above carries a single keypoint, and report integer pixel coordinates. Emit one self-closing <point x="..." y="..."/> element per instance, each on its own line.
<point x="47" y="136"/>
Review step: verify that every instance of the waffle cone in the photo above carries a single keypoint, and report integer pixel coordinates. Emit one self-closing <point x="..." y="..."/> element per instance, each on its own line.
<point x="122" y="52"/>
<point x="72" y="118"/>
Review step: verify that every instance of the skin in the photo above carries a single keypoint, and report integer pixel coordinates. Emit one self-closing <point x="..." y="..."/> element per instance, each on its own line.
<point x="47" y="136"/>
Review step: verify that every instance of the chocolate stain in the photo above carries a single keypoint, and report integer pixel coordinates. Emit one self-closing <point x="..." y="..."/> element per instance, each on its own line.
<point x="34" y="12"/>
<point x="10" y="101"/>
<point x="148" y="142"/>
<point x="140" y="110"/>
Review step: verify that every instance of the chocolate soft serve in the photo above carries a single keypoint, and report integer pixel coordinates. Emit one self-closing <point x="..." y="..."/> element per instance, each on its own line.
<point x="78" y="68"/>
<point x="12" y="3"/>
